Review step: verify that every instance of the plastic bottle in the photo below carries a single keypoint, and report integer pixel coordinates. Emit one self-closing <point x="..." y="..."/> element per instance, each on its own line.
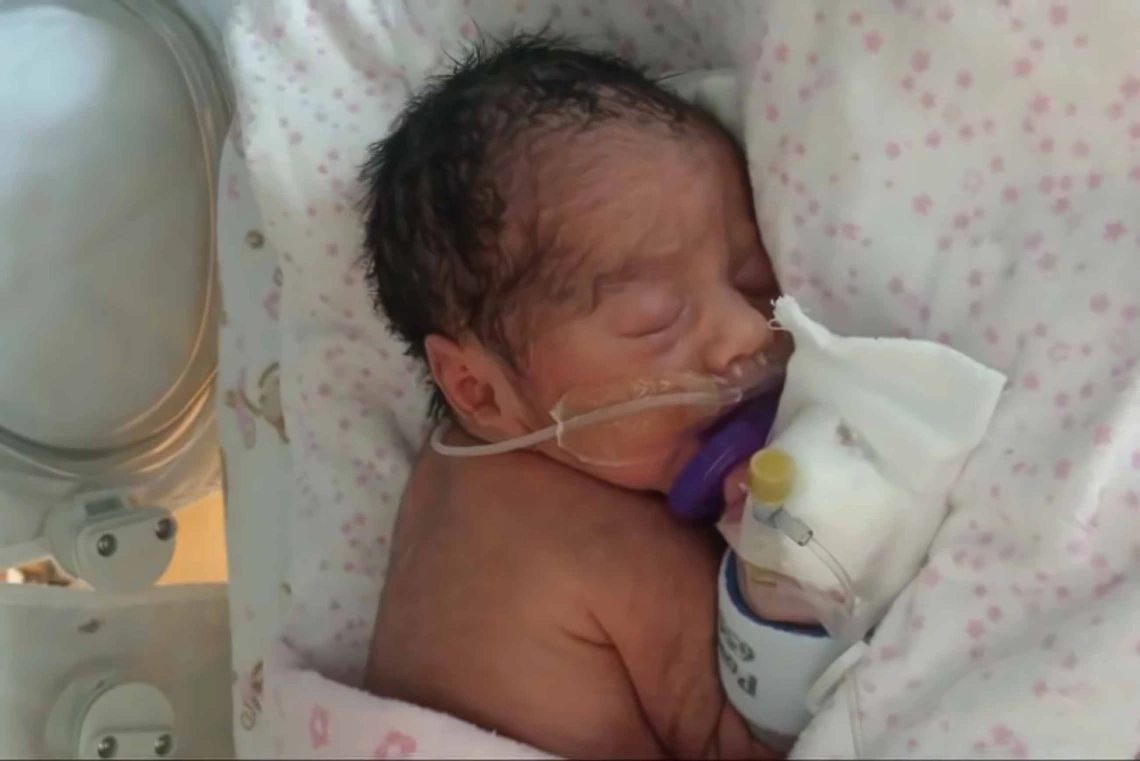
<point x="771" y="478"/>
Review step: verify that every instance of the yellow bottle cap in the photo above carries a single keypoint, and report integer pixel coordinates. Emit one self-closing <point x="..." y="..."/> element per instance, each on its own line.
<point x="771" y="475"/>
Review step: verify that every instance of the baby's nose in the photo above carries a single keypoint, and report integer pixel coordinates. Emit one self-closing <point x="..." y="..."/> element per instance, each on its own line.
<point x="738" y="331"/>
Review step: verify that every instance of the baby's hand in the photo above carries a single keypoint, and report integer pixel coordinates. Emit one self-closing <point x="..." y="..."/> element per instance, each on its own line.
<point x="770" y="595"/>
<point x="735" y="492"/>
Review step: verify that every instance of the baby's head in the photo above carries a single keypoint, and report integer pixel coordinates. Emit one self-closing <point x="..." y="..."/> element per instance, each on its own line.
<point x="545" y="219"/>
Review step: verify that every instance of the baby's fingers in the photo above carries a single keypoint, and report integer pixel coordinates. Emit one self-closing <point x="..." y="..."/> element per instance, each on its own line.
<point x="735" y="491"/>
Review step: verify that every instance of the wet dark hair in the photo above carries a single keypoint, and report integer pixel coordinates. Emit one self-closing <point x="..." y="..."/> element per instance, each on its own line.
<point x="436" y="186"/>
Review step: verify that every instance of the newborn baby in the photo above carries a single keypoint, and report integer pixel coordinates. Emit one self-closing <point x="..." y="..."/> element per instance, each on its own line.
<point x="545" y="220"/>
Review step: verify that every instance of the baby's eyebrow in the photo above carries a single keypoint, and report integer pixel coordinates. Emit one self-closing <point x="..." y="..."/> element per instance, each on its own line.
<point x="613" y="279"/>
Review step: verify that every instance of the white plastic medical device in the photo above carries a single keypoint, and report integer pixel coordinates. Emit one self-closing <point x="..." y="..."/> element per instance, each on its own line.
<point x="100" y="539"/>
<point x="100" y="717"/>
<point x="110" y="545"/>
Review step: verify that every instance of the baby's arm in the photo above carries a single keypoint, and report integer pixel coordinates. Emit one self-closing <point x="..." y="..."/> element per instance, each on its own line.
<point x="660" y="612"/>
<point x="771" y="646"/>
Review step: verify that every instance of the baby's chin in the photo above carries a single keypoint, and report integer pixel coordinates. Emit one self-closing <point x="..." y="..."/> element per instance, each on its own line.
<point x="655" y="475"/>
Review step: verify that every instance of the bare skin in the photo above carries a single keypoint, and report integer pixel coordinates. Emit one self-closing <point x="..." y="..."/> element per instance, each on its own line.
<point x="579" y="620"/>
<point x="558" y="603"/>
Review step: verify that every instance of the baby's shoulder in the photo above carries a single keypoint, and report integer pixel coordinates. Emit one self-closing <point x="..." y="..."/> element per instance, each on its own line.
<point x="542" y="506"/>
<point x="573" y="523"/>
<point x="551" y="497"/>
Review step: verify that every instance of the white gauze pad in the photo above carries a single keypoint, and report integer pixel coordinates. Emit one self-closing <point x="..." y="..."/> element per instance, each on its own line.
<point x="878" y="430"/>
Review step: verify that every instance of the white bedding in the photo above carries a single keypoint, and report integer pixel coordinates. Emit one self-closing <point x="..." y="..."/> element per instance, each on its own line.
<point x="972" y="178"/>
<point x="919" y="170"/>
<point x="255" y="463"/>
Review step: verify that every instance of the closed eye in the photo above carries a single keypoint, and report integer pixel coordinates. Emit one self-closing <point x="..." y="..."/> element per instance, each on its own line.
<point x="753" y="279"/>
<point x="654" y="330"/>
<point x="651" y="317"/>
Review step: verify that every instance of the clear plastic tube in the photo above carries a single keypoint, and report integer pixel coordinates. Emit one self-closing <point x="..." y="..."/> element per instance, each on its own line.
<point x="744" y="381"/>
<point x="718" y="398"/>
<point x="847" y="628"/>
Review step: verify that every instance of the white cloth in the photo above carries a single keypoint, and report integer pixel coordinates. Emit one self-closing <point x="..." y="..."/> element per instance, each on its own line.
<point x="314" y="716"/>
<point x="878" y="430"/>
<point x="257" y="465"/>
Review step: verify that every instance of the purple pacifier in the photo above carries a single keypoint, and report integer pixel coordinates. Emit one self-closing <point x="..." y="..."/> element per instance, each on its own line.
<point x="697" y="493"/>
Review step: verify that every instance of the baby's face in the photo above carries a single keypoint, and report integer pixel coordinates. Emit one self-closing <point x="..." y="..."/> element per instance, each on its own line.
<point x="668" y="275"/>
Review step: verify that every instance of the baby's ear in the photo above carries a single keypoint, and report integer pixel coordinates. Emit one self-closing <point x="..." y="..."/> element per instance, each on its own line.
<point x="476" y="389"/>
